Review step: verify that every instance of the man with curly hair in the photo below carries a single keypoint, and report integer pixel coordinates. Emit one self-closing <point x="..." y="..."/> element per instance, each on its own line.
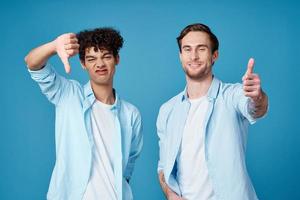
<point x="98" y="135"/>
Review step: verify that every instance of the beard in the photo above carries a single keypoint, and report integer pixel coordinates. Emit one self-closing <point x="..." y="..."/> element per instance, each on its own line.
<point x="199" y="74"/>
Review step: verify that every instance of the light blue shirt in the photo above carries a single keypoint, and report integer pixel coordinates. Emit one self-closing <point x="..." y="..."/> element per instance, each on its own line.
<point x="225" y="127"/>
<point x="74" y="138"/>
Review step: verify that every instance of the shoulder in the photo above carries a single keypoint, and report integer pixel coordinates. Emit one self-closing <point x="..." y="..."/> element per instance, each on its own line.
<point x="229" y="89"/>
<point x="75" y="85"/>
<point x="231" y="95"/>
<point x="168" y="106"/>
<point x="129" y="108"/>
<point x="72" y="88"/>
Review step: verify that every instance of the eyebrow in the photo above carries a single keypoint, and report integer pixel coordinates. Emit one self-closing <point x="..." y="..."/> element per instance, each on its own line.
<point x="104" y="54"/>
<point x="89" y="56"/>
<point x="107" y="53"/>
<point x="200" y="45"/>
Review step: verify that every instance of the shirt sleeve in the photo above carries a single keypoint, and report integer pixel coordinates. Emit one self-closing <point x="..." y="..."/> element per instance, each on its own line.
<point x="50" y="82"/>
<point x="160" y="125"/>
<point x="136" y="144"/>
<point x="243" y="104"/>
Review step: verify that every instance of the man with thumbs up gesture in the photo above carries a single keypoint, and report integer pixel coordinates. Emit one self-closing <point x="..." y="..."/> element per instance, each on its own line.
<point x="98" y="134"/>
<point x="203" y="130"/>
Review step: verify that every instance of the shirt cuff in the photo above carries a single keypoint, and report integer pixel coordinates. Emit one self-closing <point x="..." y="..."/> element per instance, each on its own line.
<point x="41" y="73"/>
<point x="249" y="109"/>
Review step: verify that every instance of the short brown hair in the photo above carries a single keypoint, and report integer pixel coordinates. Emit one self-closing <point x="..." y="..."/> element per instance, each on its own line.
<point x="199" y="27"/>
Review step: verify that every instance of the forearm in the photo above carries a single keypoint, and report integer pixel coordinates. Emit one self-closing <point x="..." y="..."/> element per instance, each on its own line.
<point x="38" y="57"/>
<point x="259" y="105"/>
<point x="165" y="188"/>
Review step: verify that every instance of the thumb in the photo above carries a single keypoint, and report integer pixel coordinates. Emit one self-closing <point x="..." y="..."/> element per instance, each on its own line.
<point x="250" y="66"/>
<point x="66" y="63"/>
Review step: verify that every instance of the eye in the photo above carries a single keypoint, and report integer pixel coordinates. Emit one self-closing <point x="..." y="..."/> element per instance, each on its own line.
<point x="186" y="49"/>
<point x="91" y="59"/>
<point x="107" y="56"/>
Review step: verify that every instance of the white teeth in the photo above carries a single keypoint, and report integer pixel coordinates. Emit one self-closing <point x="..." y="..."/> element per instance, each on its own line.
<point x="194" y="65"/>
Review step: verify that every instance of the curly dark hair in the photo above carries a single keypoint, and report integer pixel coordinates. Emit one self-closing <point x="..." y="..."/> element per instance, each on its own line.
<point x="99" y="38"/>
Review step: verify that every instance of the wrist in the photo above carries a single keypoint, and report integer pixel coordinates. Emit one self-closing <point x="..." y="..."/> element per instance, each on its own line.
<point x="168" y="191"/>
<point x="52" y="47"/>
<point x="259" y="98"/>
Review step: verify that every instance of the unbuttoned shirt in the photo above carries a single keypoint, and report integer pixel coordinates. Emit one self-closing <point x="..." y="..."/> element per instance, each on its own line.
<point x="74" y="139"/>
<point x="225" y="127"/>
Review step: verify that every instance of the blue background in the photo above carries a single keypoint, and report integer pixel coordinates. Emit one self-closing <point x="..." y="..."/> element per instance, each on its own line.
<point x="149" y="74"/>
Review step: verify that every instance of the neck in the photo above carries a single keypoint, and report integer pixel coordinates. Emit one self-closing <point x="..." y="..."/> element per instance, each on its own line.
<point x="104" y="93"/>
<point x="198" y="88"/>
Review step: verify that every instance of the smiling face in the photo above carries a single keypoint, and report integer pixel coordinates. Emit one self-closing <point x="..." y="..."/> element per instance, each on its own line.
<point x="196" y="55"/>
<point x="100" y="65"/>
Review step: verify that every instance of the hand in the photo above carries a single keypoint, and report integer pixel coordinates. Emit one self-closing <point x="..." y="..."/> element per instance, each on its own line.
<point x="251" y="83"/>
<point x="66" y="46"/>
<point x="172" y="195"/>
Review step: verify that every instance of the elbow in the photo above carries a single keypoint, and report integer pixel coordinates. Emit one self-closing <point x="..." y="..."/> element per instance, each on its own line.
<point x="31" y="63"/>
<point x="28" y="62"/>
<point x="26" y="59"/>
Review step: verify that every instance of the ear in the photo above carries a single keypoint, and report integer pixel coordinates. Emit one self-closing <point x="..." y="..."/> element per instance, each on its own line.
<point x="180" y="56"/>
<point x="215" y="55"/>
<point x="82" y="65"/>
<point x="117" y="59"/>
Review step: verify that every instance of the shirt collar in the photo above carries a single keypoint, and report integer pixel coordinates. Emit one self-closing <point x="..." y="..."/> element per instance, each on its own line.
<point x="212" y="92"/>
<point x="89" y="95"/>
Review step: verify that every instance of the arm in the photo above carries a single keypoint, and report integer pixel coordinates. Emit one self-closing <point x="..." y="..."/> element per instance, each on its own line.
<point x="252" y="88"/>
<point x="160" y="125"/>
<point x="52" y="84"/>
<point x="38" y="57"/>
<point x="136" y="145"/>
<point x="169" y="194"/>
<point x="65" y="46"/>
<point x="259" y="106"/>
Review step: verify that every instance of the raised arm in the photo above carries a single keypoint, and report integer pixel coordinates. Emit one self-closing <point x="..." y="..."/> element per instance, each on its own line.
<point x="52" y="85"/>
<point x="65" y="46"/>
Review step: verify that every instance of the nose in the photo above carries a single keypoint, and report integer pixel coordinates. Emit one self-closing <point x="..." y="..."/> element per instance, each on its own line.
<point x="194" y="55"/>
<point x="99" y="63"/>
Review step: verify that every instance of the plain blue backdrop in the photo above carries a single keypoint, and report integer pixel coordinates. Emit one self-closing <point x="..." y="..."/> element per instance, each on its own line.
<point x="149" y="74"/>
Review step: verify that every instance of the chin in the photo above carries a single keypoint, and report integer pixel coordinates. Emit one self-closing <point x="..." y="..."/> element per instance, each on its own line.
<point x="101" y="82"/>
<point x="196" y="76"/>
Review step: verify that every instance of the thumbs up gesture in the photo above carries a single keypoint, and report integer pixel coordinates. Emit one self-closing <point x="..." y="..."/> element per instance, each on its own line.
<point x="66" y="46"/>
<point x="251" y="83"/>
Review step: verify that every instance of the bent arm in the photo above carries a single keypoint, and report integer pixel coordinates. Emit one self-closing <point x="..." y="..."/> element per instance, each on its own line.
<point x="38" y="57"/>
<point x="165" y="188"/>
<point x="65" y="46"/>
<point x="169" y="193"/>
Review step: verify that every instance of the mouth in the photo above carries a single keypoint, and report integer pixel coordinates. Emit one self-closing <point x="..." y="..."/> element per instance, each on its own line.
<point x="101" y="71"/>
<point x="194" y="65"/>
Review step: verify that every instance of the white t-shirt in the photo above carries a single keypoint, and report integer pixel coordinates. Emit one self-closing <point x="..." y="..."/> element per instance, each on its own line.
<point x="192" y="174"/>
<point x="101" y="184"/>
